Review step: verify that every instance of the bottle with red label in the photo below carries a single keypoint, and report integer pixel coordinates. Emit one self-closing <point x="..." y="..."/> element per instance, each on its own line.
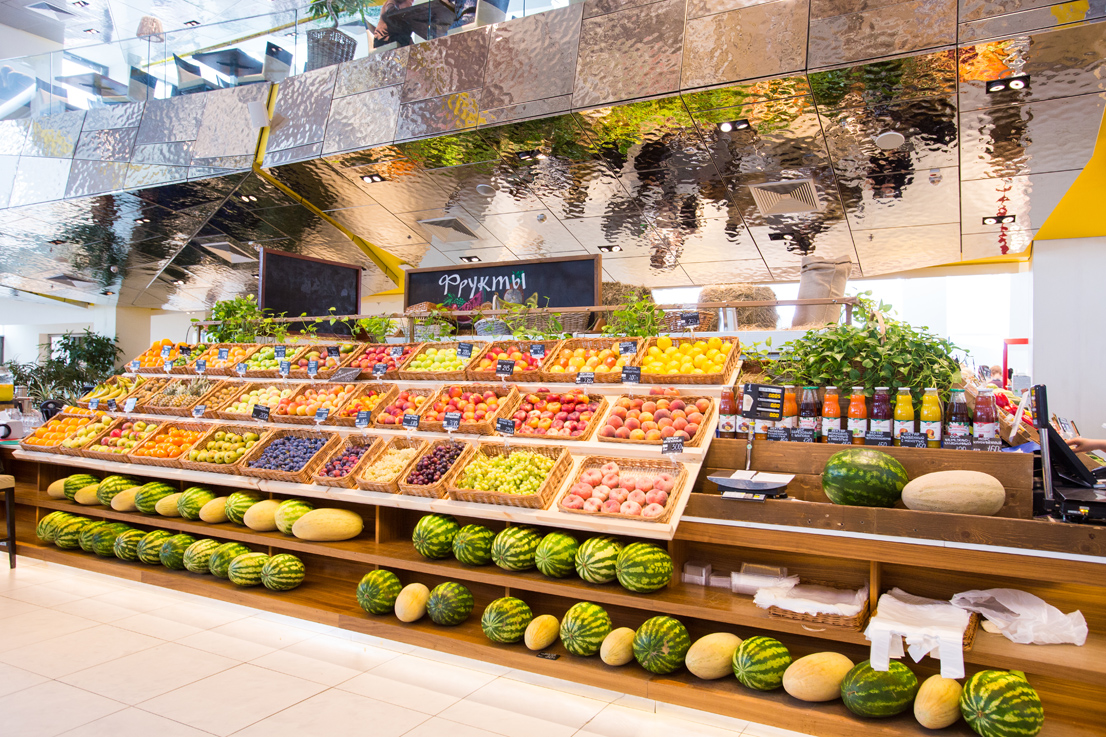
<point x="727" y="414"/>
<point x="880" y="418"/>
<point x="958" y="420"/>
<point x="858" y="415"/>
<point x="831" y="412"/>
<point x="790" y="408"/>
<point x="810" y="417"/>
<point x="741" y="424"/>
<point x="985" y="417"/>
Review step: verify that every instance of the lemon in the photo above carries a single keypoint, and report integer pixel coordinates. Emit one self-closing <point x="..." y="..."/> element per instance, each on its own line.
<point x="670" y="350"/>
<point x="726" y="347"/>
<point x="654" y="351"/>
<point x="664" y="343"/>
<point x="714" y="342"/>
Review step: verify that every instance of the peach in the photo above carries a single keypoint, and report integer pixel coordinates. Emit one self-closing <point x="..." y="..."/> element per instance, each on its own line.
<point x="656" y="496"/>
<point x="696" y="417"/>
<point x="666" y="477"/>
<point x="615" y="421"/>
<point x="637" y="434"/>
<point x="637" y="403"/>
<point x="609" y="468"/>
<point x="581" y="490"/>
<point x="652" y="511"/>
<point x="677" y="404"/>
<point x="702" y="405"/>
<point x="592" y="505"/>
<point x="606" y="431"/>
<point x="647" y="426"/>
<point x="662" y="414"/>
<point x="655" y="391"/>
<point x="629" y="483"/>
<point x="632" y="423"/>
<point x="623" y="433"/>
<point x="623" y="402"/>
<point x="645" y="483"/>
<point x="611" y="480"/>
<point x="679" y="423"/>
<point x="630" y="508"/>
<point x="637" y="496"/>
<point x="619" y="412"/>
<point x="592" y="477"/>
<point x="634" y="414"/>
<point x="671" y="391"/>
<point x="653" y="435"/>
<point x="682" y="434"/>
<point x="646" y="417"/>
<point x="679" y="414"/>
<point x="665" y="422"/>
<point x="691" y="429"/>
<point x="663" y="404"/>
<point x="572" y="502"/>
<point x="611" y="506"/>
<point x="649" y="407"/>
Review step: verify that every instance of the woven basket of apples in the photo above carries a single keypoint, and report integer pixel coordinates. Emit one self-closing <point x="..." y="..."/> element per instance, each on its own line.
<point x="392" y="355"/>
<point x="637" y="489"/>
<point x="527" y="364"/>
<point x="569" y="415"/>
<point x="664" y="413"/>
<point x="479" y="405"/>
<point x="406" y="402"/>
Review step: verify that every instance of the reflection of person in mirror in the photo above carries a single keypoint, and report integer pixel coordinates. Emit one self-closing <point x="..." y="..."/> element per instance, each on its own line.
<point x="996" y="376"/>
<point x="1085" y="445"/>
<point x="383" y="34"/>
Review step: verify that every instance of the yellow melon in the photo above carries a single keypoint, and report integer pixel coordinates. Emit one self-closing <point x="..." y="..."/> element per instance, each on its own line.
<point x="816" y="677"/>
<point x="542" y="632"/>
<point x="937" y="704"/>
<point x="617" y="647"/>
<point x="411" y="602"/>
<point x="711" y="657"/>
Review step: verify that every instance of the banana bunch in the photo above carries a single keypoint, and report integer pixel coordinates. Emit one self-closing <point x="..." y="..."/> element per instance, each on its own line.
<point x="120" y="387"/>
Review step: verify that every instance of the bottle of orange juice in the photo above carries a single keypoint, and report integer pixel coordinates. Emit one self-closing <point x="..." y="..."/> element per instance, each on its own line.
<point x="930" y="417"/>
<point x="904" y="414"/>
<point x="790" y="408"/>
<point x="831" y="412"/>
<point x="858" y="415"/>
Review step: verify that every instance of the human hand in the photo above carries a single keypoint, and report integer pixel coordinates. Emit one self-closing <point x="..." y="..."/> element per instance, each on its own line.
<point x="1086" y="445"/>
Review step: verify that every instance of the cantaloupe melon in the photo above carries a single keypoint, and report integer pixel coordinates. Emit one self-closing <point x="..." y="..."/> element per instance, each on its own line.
<point x="617" y="647"/>
<point x="711" y="657"/>
<point x="958" y="492"/>
<point x="937" y="704"/>
<point x="411" y="602"/>
<point x="56" y="490"/>
<point x="124" y="500"/>
<point x="816" y="677"/>
<point x="325" y="525"/>
<point x="261" y="517"/>
<point x="543" y="631"/>
<point x="167" y="506"/>
<point x="215" y="511"/>
<point x="87" y="495"/>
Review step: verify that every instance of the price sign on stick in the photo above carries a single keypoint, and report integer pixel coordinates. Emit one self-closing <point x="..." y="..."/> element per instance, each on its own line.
<point x="627" y="348"/>
<point x="224" y="354"/>
<point x="312" y="369"/>
<point x="285" y="369"/>
<point x="128" y="406"/>
<point x="332" y="351"/>
<point x="464" y="350"/>
<point x="134" y="366"/>
<point x="537" y="350"/>
<point x="280" y="351"/>
<point x="112" y="406"/>
<point x="362" y="419"/>
<point x="321" y="415"/>
<point x="672" y="446"/>
<point x="410" y="422"/>
<point x="201" y="365"/>
<point x="94" y="404"/>
<point x="585" y="377"/>
<point x="166" y="351"/>
<point x="505" y="426"/>
<point x="240" y="369"/>
<point x="198" y="411"/>
<point x="631" y="374"/>
<point x="395" y="351"/>
<point x="260" y="413"/>
<point x="504" y="367"/>
<point x="451" y="421"/>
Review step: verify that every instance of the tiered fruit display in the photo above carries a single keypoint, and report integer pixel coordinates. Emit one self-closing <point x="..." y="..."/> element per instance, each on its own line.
<point x="436" y="360"/>
<point x="265" y="358"/>
<point x="652" y="420"/>
<point x="326" y="361"/>
<point x="123" y="438"/>
<point x="235" y="354"/>
<point x="610" y="490"/>
<point x="381" y="353"/>
<point x="288" y="453"/>
<point x="432" y="467"/>
<point x="152" y="357"/>
<point x="521" y="472"/>
<point x="389" y="464"/>
<point x="366" y="402"/>
<point x="686" y="356"/>
<point x="307" y="402"/>
<point x="72" y="409"/>
<point x="523" y="360"/>
<point x="169" y="444"/>
<point x="225" y="447"/>
<point x="87" y="433"/>
<point x="473" y="406"/>
<point x="149" y="388"/>
<point x="546" y="413"/>
<point x="181" y="393"/>
<point x="222" y="395"/>
<point x="599" y="360"/>
<point x="56" y="430"/>
<point x="404" y="403"/>
<point x="266" y="396"/>
<point x="342" y="464"/>
<point x="117" y="388"/>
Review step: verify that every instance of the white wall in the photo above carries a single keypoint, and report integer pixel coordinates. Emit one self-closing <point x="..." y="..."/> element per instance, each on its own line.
<point x="172" y="325"/>
<point x="28" y="324"/>
<point x="1069" y="350"/>
<point x="15" y="42"/>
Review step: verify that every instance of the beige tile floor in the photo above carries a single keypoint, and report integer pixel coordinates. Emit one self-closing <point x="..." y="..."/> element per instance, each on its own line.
<point x="87" y="655"/>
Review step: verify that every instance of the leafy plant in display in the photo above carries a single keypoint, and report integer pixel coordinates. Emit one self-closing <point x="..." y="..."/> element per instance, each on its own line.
<point x="638" y="319"/>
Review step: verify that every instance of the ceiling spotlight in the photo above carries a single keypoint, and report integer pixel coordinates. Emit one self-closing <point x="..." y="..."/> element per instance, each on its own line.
<point x="1008" y="219"/>
<point x="529" y="155"/>
<point x="81" y="4"/>
<point x="1019" y="82"/>
<point x="249" y="198"/>
<point x="990" y="221"/>
<point x="109" y="293"/>
<point x="610" y="249"/>
<point x="372" y="178"/>
<point x="91" y="31"/>
<point x="890" y="140"/>
<point x="192" y="23"/>
<point x="999" y="219"/>
<point x="179" y="283"/>
<point x="733" y="125"/>
<point x="485" y="189"/>
<point x="470" y="259"/>
<point x="142" y="220"/>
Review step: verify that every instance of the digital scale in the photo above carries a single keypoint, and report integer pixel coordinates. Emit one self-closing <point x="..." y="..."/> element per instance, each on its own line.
<point x="1071" y="492"/>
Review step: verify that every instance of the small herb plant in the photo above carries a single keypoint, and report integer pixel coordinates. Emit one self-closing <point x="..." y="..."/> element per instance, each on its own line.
<point x="520" y="327"/>
<point x="376" y="327"/>
<point x="638" y="319"/>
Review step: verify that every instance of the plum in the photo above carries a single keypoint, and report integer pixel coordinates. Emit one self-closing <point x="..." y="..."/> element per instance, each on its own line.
<point x="653" y="510"/>
<point x="592" y="505"/>
<point x="572" y="502"/>
<point x="656" y="496"/>
<point x="611" y="506"/>
<point x="630" y="508"/>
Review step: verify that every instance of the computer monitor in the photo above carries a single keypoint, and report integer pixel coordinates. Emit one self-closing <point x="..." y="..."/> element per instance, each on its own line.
<point x="1059" y="464"/>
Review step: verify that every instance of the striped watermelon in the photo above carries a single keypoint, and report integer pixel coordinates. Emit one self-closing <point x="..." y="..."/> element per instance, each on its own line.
<point x="759" y="663"/>
<point x="515" y="548"/>
<point x="222" y="557"/>
<point x="149" y="547"/>
<point x="289" y="511"/>
<point x="47" y="527"/>
<point x="472" y="545"/>
<point x="88" y="534"/>
<point x="506" y="619"/>
<point x="68" y="535"/>
<point x="238" y="503"/>
<point x="103" y="542"/>
<point x="149" y="495"/>
<point x="111" y="486"/>
<point x="597" y="559"/>
<point x="450" y="603"/>
<point x="126" y="544"/>
<point x="871" y="693"/>
<point x="556" y="555"/>
<point x="660" y="644"/>
<point x="245" y="570"/>
<point x="583" y="628"/>
<point x="192" y="501"/>
<point x="433" y="535"/>
<point x="643" y="568"/>
<point x="197" y="556"/>
<point x="998" y="703"/>
<point x="378" y="591"/>
<point x="172" y="551"/>
<point x="863" y="477"/>
<point x="282" y="572"/>
<point x="76" y="482"/>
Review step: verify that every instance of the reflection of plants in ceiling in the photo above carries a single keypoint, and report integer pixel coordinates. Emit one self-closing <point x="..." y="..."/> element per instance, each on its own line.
<point x="885" y="81"/>
<point x="350" y="9"/>
<point x="621" y="127"/>
<point x="462" y="148"/>
<point x="765" y="89"/>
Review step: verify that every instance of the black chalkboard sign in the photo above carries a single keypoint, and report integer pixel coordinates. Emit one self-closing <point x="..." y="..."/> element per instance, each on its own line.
<point x="573" y="281"/>
<point x="295" y="285"/>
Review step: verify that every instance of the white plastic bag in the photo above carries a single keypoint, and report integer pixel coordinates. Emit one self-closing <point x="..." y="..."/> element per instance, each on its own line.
<point x="1025" y="618"/>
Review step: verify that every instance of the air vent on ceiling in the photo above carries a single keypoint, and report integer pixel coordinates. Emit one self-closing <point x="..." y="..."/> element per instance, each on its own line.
<point x="67" y="280"/>
<point x="228" y="252"/>
<point x="51" y="11"/>
<point x="786" y="198"/>
<point x="448" y="230"/>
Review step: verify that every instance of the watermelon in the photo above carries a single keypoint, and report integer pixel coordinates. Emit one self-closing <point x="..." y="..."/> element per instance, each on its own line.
<point x="149" y="547"/>
<point x="172" y="551"/>
<point x="192" y="501"/>
<point x="282" y="572"/>
<point x="289" y="511"/>
<point x="126" y="544"/>
<point x="643" y="568"/>
<point x="556" y="555"/>
<point x="472" y="545"/>
<point x="506" y="619"/>
<point x="759" y="663"/>
<point x="449" y="603"/>
<point x="88" y="534"/>
<point x="863" y="477"/>
<point x="871" y="693"/>
<point x="515" y="548"/>
<point x="69" y="531"/>
<point x="245" y="570"/>
<point x="583" y="628"/>
<point x="238" y="503"/>
<point x="433" y="535"/>
<point x="998" y="703"/>
<point x="149" y="495"/>
<point x="223" y="555"/>
<point x="660" y="644"/>
<point x="197" y="556"/>
<point x="103" y="542"/>
<point x="76" y="482"/>
<point x="378" y="591"/>
<point x="111" y="486"/>
<point x="597" y="558"/>
<point x="47" y="527"/>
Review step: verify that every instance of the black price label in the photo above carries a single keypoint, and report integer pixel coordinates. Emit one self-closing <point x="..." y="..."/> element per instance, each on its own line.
<point x="631" y="374"/>
<point x="689" y="319"/>
<point x="128" y="406"/>
<point x="285" y="368"/>
<point x="504" y="367"/>
<point x="802" y="435"/>
<point x="395" y="351"/>
<point x="537" y="350"/>
<point x="186" y="351"/>
<point x="452" y="421"/>
<point x="877" y="437"/>
<point x="379" y="369"/>
<point x="168" y="366"/>
<point x="112" y="406"/>
<point x="362" y="419"/>
<point x="198" y="410"/>
<point x="224" y="354"/>
<point x="201" y="365"/>
<point x="411" y="422"/>
<point x="839" y="437"/>
<point x="94" y="404"/>
<point x="134" y="366"/>
<point x="166" y="351"/>
<point x="464" y="350"/>
<point x="332" y="351"/>
<point x="993" y="445"/>
<point x="957" y="442"/>
<point x="585" y="377"/>
<point x="312" y="368"/>
<point x="240" y="369"/>
<point x="349" y="373"/>
<point x="627" y="348"/>
<point x="762" y="402"/>
<point x="672" y="446"/>
<point x="548" y="656"/>
<point x="321" y="414"/>
<point x="280" y="351"/>
<point x="778" y="433"/>
<point x="914" y="440"/>
<point x="261" y="413"/>
<point x="505" y="426"/>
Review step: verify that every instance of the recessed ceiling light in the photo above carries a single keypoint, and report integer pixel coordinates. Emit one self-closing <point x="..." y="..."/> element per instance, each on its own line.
<point x="81" y="4"/>
<point x="372" y="178"/>
<point x="733" y="125"/>
<point x="249" y="198"/>
<point x="530" y="155"/>
<point x="142" y="220"/>
<point x="192" y="23"/>
<point x="999" y="219"/>
<point x="179" y="283"/>
<point x="470" y="259"/>
<point x="610" y="249"/>
<point x="109" y="293"/>
<point x="485" y="189"/>
<point x="92" y="31"/>
<point x="890" y="140"/>
<point x="1019" y="82"/>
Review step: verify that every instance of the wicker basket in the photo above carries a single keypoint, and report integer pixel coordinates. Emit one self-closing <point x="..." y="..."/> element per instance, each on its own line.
<point x="727" y="369"/>
<point x="673" y="321"/>
<point x="459" y="375"/>
<point x="211" y="355"/>
<point x="83" y="401"/>
<point x="228" y="468"/>
<point x="52" y="448"/>
<point x="349" y="481"/>
<point x="391" y="486"/>
<point x="856" y="622"/>
<point x="695" y="442"/>
<point x="310" y="419"/>
<point x="392" y="375"/>
<point x="328" y="46"/>
<point x="211" y="408"/>
<point x="509" y="400"/>
<point x="159" y="367"/>
<point x="387" y="392"/>
<point x="491" y="326"/>
<point x="184" y="366"/>
<point x="151" y="387"/>
<point x="324" y="373"/>
<point x="77" y="451"/>
<point x="428" y="393"/>
<point x="184" y="410"/>
<point x="609" y="377"/>
<point x="571" y="322"/>
<point x="969" y="631"/>
<point x="436" y="490"/>
<point x="638" y="467"/>
<point x="589" y="429"/>
<point x="247" y="387"/>
<point x="162" y="429"/>
<point x="538" y="500"/>
<point x="292" y="353"/>
<point x="551" y="347"/>
<point x="99" y="454"/>
<point x="301" y="476"/>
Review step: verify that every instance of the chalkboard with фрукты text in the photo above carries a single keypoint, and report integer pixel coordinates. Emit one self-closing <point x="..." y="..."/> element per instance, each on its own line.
<point x="295" y="285"/>
<point x="567" y="282"/>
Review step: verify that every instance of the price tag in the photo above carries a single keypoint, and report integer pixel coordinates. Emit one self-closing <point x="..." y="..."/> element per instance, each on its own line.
<point x="993" y="445"/>
<point x="744" y="496"/>
<point x="537" y="350"/>
<point x="128" y="406"/>
<point x="312" y="369"/>
<point x="627" y="348"/>
<point x="166" y="351"/>
<point x="185" y="351"/>
<point x="240" y="369"/>
<point x="505" y="426"/>
<point x="379" y="369"/>
<point x="631" y="374"/>
<point x="957" y="442"/>
<point x="548" y="656"/>
<point x="802" y="435"/>
<point x="689" y="319"/>
<point x="261" y="413"/>
<point x="395" y="351"/>
<point x="134" y="366"/>
<point x="362" y="419"/>
<point x="224" y="354"/>
<point x="504" y="367"/>
<point x="280" y="351"/>
<point x="94" y="404"/>
<point x="201" y="365"/>
<point x="839" y="437"/>
<point x="778" y="433"/>
<point x="168" y="366"/>
<point x="914" y="440"/>
<point x="464" y="350"/>
<point x="285" y="368"/>
<point x="877" y="437"/>
<point x="349" y="373"/>
<point x="332" y="351"/>
<point x="112" y="406"/>
<point x="762" y="402"/>
<point x="585" y="377"/>
<point x="452" y="421"/>
<point x="198" y="410"/>
<point x="410" y="422"/>
<point x="672" y="446"/>
<point x="321" y="414"/>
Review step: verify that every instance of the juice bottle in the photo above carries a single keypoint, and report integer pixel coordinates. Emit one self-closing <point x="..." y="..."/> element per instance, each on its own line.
<point x="741" y="425"/>
<point x="958" y="421"/>
<point x="790" y="408"/>
<point x="858" y="415"/>
<point x="904" y="414"/>
<point x="809" y="412"/>
<point x="985" y="419"/>
<point x="727" y="414"/>
<point x="930" y="424"/>
<point x="831" y="412"/>
<point x="880" y="420"/>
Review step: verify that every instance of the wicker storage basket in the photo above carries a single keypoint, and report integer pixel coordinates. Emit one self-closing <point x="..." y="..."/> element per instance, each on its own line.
<point x="637" y="467"/>
<point x="56" y="421"/>
<point x="608" y="377"/>
<point x="292" y="353"/>
<point x="387" y="375"/>
<point x="223" y="414"/>
<point x="551" y="346"/>
<point x="856" y="622"/>
<point x="211" y="402"/>
<point x="673" y="321"/>
<point x="301" y="476"/>
<point x="391" y="486"/>
<point x="538" y="500"/>
<point x="491" y="326"/>
<point x="180" y="365"/>
<point x="695" y="441"/>
<point x="310" y="419"/>
<point x="589" y="429"/>
<point x="153" y="385"/>
<point x="113" y="381"/>
<point x="228" y="468"/>
<point x="324" y="372"/>
<point x="184" y="410"/>
<point x="407" y="374"/>
<point x="571" y="322"/>
<point x="162" y="429"/>
<point x="436" y="490"/>
<point x="215" y="367"/>
<point x="349" y="481"/>
<point x="428" y="393"/>
<point x="507" y="394"/>
<point x="386" y="392"/>
<point x="183" y="365"/>
<point x="714" y="378"/>
<point x="99" y="454"/>
<point x="77" y="451"/>
<point x="328" y="46"/>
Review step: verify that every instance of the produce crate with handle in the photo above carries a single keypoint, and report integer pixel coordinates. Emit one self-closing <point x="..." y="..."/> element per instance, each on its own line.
<point x="610" y="376"/>
<point x="690" y="402"/>
<point x="347" y="415"/>
<point x="167" y="426"/>
<point x="292" y="354"/>
<point x="348" y="481"/>
<point x="367" y="365"/>
<point x="302" y="475"/>
<point x="635" y="468"/>
<point x="103" y="455"/>
<point x="713" y="377"/>
<point x="300" y="365"/>
<point x="389" y="485"/>
<point x="562" y="464"/>
<point x="475" y="373"/>
<point x="237" y="352"/>
<point x="309" y="417"/>
<point x="507" y="397"/>
<point x="408" y="374"/>
<point x="533" y="400"/>
<point x="436" y="490"/>
<point x="210" y="436"/>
